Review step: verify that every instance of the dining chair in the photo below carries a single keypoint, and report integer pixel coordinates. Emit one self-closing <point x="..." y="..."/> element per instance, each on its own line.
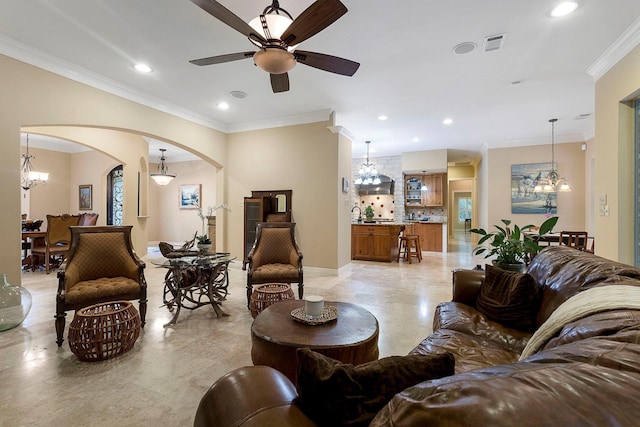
<point x="55" y="246"/>
<point x="574" y="239"/>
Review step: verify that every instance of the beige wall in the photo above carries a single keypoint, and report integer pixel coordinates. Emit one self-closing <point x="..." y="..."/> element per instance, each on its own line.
<point x="429" y="161"/>
<point x="570" y="162"/>
<point x="169" y="223"/>
<point x="32" y="97"/>
<point x="305" y="159"/>
<point x="614" y="154"/>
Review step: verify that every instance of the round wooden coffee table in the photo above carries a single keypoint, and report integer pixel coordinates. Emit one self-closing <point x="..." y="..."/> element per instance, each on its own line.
<point x="275" y="336"/>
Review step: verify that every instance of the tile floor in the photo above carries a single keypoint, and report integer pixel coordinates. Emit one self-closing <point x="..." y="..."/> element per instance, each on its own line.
<point x="161" y="380"/>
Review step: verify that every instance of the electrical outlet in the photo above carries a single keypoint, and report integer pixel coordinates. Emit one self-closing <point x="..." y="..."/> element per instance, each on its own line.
<point x="601" y="210"/>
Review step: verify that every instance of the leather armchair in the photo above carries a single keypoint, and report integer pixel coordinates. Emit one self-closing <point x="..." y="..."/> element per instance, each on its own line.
<point x="275" y="257"/>
<point x="101" y="266"/>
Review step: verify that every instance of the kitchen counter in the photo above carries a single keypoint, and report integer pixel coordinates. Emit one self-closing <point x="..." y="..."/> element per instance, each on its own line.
<point x="375" y="241"/>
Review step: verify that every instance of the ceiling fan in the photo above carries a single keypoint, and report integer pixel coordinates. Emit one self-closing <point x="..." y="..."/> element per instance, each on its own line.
<point x="277" y="34"/>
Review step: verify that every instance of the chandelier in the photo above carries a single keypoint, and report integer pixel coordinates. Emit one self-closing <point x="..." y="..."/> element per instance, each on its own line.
<point x="28" y="177"/>
<point x="368" y="174"/>
<point x="552" y="182"/>
<point x="162" y="177"/>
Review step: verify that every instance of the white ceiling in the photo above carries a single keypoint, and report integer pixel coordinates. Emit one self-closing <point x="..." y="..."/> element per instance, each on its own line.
<point x="408" y="70"/>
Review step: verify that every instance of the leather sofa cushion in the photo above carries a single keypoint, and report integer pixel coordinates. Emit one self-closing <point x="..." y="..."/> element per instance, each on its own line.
<point x="470" y="351"/>
<point x="463" y="318"/>
<point x="562" y="272"/>
<point x="335" y="394"/>
<point x="510" y="298"/>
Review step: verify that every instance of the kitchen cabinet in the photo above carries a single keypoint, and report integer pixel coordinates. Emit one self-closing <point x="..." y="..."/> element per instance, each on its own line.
<point x="432" y="195"/>
<point x="430" y="235"/>
<point x="374" y="242"/>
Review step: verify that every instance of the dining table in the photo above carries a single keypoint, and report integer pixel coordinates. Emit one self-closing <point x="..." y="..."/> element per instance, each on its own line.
<point x="28" y="238"/>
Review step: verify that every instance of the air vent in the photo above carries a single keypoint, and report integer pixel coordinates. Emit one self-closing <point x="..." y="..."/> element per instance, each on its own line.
<point x="495" y="42"/>
<point x="583" y="116"/>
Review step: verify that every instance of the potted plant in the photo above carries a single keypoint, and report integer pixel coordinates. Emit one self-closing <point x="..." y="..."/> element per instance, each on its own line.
<point x="204" y="243"/>
<point x="513" y="246"/>
<point x="368" y="213"/>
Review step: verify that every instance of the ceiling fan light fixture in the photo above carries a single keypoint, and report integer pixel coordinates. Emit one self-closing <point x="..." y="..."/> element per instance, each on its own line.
<point x="276" y="25"/>
<point x="274" y="60"/>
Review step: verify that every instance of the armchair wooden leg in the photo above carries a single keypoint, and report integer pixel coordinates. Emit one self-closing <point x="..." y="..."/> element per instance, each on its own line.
<point x="300" y="290"/>
<point x="249" y="290"/>
<point x="143" y="312"/>
<point x="60" y="320"/>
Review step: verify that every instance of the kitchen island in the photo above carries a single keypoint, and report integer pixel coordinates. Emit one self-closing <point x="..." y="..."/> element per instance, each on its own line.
<point x="375" y="241"/>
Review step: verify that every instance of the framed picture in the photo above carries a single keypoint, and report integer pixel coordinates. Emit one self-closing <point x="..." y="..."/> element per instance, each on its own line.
<point x="189" y="196"/>
<point x="85" y="197"/>
<point x="345" y="185"/>
<point x="524" y="200"/>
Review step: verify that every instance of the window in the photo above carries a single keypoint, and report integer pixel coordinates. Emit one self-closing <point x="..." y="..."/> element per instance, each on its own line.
<point x="464" y="208"/>
<point x="114" y="196"/>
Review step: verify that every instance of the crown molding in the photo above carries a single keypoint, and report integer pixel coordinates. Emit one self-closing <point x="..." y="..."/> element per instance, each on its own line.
<point x="297" y="119"/>
<point x="624" y="44"/>
<point x="27" y="54"/>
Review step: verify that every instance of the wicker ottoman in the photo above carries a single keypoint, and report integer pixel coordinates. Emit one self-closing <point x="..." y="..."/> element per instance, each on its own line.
<point x="103" y="331"/>
<point x="265" y="295"/>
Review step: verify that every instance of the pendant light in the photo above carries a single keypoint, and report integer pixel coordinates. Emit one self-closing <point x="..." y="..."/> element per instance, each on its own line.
<point x="552" y="182"/>
<point x="162" y="177"/>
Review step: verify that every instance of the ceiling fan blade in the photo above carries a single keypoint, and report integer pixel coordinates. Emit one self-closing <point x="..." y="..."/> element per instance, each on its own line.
<point x="279" y="82"/>
<point x="314" y="19"/>
<point x="225" y="15"/>
<point x="333" y="64"/>
<point x="222" y="58"/>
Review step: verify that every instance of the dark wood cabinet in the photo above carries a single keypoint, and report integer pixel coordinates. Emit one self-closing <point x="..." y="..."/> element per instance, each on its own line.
<point x="263" y="206"/>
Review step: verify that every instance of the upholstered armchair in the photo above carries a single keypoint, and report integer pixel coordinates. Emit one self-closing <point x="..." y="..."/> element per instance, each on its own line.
<point x="101" y="266"/>
<point x="88" y="219"/>
<point x="275" y="257"/>
<point x="56" y="241"/>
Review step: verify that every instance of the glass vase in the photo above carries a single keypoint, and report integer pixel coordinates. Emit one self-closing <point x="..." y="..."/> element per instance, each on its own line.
<point x="15" y="303"/>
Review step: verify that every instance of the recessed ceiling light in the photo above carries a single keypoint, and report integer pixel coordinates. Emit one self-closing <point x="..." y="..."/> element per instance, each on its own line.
<point x="415" y="139"/>
<point x="143" y="68"/>
<point x="447" y="121"/>
<point x="564" y="8"/>
<point x="223" y="106"/>
<point x="382" y="118"/>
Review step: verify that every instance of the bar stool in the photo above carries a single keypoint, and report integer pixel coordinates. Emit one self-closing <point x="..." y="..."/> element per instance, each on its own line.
<point x="410" y="247"/>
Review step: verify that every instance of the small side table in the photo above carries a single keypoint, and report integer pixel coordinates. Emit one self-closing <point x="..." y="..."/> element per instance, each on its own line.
<point x="275" y="336"/>
<point x="103" y="331"/>
<point x="265" y="295"/>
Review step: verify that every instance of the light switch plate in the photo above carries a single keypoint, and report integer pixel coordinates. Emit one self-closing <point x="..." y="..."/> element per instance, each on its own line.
<point x="602" y="199"/>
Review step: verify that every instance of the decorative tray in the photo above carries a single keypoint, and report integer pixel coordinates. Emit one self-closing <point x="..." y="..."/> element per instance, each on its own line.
<point x="329" y="313"/>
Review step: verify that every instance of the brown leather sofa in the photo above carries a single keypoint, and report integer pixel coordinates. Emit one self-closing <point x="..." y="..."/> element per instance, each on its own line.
<point x="586" y="374"/>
